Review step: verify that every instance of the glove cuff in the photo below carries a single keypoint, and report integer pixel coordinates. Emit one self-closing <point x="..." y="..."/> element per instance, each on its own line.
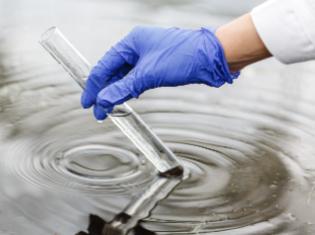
<point x="221" y="70"/>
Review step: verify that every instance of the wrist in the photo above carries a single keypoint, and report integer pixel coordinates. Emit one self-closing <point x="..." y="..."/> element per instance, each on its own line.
<point x="241" y="43"/>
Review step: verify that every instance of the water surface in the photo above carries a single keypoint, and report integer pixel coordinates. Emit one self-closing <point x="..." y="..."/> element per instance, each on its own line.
<point x="249" y="146"/>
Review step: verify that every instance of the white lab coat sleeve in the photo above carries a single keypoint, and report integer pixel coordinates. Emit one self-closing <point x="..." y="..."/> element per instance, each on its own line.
<point x="287" y="28"/>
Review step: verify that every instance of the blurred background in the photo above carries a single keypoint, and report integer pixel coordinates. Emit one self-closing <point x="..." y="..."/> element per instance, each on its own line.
<point x="249" y="145"/>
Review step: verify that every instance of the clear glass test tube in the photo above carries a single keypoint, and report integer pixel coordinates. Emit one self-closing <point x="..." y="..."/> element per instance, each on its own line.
<point x="123" y="116"/>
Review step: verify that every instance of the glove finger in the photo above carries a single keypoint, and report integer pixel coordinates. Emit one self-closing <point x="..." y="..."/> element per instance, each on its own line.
<point x="108" y="66"/>
<point x="123" y="71"/>
<point x="88" y="96"/>
<point x="87" y="100"/>
<point x="119" y="58"/>
<point x="119" y="91"/>
<point x="101" y="113"/>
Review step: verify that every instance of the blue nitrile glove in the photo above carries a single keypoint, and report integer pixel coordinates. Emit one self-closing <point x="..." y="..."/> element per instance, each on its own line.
<point x="150" y="57"/>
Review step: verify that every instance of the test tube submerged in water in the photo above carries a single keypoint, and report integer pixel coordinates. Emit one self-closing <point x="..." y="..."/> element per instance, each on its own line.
<point x="123" y="116"/>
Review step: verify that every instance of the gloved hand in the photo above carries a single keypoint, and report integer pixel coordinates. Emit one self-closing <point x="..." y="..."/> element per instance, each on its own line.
<point x="150" y="57"/>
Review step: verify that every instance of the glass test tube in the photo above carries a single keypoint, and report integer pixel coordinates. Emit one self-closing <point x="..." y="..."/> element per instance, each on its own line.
<point x="123" y="116"/>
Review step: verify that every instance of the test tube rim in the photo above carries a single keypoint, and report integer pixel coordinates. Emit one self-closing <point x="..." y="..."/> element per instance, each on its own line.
<point x="48" y="34"/>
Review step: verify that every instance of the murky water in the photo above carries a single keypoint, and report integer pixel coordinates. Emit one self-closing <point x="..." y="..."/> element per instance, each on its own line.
<point x="249" y="146"/>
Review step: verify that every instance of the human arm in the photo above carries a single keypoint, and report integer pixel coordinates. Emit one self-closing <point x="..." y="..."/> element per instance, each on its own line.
<point x="241" y="43"/>
<point x="149" y="57"/>
<point x="152" y="57"/>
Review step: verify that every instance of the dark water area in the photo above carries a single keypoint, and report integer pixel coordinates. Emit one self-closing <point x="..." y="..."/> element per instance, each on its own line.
<point x="249" y="146"/>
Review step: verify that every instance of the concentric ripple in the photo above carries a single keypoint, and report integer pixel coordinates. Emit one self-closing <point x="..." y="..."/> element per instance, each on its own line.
<point x="95" y="163"/>
<point x="242" y="180"/>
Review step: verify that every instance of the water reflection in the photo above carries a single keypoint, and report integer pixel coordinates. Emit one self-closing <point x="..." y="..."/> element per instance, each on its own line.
<point x="249" y="146"/>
